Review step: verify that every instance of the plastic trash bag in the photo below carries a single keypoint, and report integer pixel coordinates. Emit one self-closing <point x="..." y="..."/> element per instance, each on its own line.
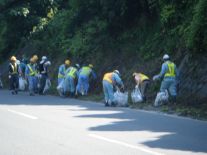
<point x="161" y="98"/>
<point x="136" y="96"/>
<point x="121" y="99"/>
<point x="21" y="84"/>
<point x="60" y="87"/>
<point x="47" y="86"/>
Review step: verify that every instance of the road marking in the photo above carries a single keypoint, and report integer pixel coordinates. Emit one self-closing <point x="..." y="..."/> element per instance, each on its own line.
<point x="125" y="144"/>
<point x="22" y="114"/>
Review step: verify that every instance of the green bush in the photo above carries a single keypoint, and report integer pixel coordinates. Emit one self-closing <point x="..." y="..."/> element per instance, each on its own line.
<point x="197" y="39"/>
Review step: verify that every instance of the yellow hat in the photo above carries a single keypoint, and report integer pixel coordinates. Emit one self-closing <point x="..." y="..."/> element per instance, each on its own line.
<point x="35" y="57"/>
<point x="90" y="65"/>
<point x="67" y="62"/>
<point x="13" y="58"/>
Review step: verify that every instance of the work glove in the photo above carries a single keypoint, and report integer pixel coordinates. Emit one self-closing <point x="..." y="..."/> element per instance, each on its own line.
<point x="9" y="76"/>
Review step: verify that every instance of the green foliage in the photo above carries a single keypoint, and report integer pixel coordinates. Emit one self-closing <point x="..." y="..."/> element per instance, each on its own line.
<point x="197" y="39"/>
<point x="23" y="18"/>
<point x="3" y="31"/>
<point x="167" y="14"/>
<point x="89" y="27"/>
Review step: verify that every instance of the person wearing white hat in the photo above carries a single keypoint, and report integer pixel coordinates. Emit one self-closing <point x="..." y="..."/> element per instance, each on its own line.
<point x="169" y="75"/>
<point x="43" y="70"/>
<point x="109" y="81"/>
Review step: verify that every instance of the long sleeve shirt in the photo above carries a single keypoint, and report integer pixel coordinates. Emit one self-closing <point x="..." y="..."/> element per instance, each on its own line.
<point x="61" y="71"/>
<point x="30" y="70"/>
<point x="164" y="70"/>
<point x="116" y="79"/>
<point x="68" y="71"/>
<point x="87" y="71"/>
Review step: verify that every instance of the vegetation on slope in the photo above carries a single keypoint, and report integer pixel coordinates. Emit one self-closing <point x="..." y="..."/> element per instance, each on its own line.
<point x="128" y="35"/>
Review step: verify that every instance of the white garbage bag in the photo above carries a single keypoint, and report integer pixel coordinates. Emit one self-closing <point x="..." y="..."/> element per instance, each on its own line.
<point x="21" y="84"/>
<point x="121" y="99"/>
<point x="136" y="96"/>
<point x="60" y="87"/>
<point x="47" y="86"/>
<point x="161" y="98"/>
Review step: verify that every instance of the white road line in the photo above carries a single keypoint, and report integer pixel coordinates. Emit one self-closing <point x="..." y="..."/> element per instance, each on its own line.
<point x="23" y="114"/>
<point x="125" y="144"/>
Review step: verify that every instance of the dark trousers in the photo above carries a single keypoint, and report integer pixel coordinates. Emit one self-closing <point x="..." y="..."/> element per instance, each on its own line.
<point x="143" y="88"/>
<point x="14" y="82"/>
<point x="42" y="83"/>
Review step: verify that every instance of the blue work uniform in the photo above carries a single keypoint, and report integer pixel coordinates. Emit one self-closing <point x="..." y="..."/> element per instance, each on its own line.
<point x="31" y="73"/>
<point x="36" y="78"/>
<point x="169" y="74"/>
<point x="109" y="80"/>
<point x="71" y="76"/>
<point x="83" y="80"/>
<point x="23" y="68"/>
<point x="61" y="73"/>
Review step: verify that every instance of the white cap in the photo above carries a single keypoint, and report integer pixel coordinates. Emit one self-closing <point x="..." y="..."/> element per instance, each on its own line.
<point x="166" y="57"/>
<point x="117" y="72"/>
<point x="44" y="58"/>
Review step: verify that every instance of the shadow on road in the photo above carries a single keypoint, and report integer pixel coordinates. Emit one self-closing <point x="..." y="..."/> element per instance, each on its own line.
<point x="184" y="134"/>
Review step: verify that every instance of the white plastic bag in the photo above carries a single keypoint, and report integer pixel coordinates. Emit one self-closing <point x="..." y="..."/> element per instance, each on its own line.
<point x="136" y="96"/>
<point x="161" y="98"/>
<point x="60" y="87"/>
<point x="21" y="84"/>
<point x="121" y="99"/>
<point x="47" y="86"/>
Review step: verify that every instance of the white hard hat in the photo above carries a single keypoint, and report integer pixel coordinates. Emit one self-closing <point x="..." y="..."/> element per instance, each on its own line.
<point x="117" y="72"/>
<point x="44" y="58"/>
<point x="166" y="57"/>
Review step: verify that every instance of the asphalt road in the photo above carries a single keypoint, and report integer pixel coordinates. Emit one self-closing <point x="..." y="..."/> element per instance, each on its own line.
<point x="49" y="125"/>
